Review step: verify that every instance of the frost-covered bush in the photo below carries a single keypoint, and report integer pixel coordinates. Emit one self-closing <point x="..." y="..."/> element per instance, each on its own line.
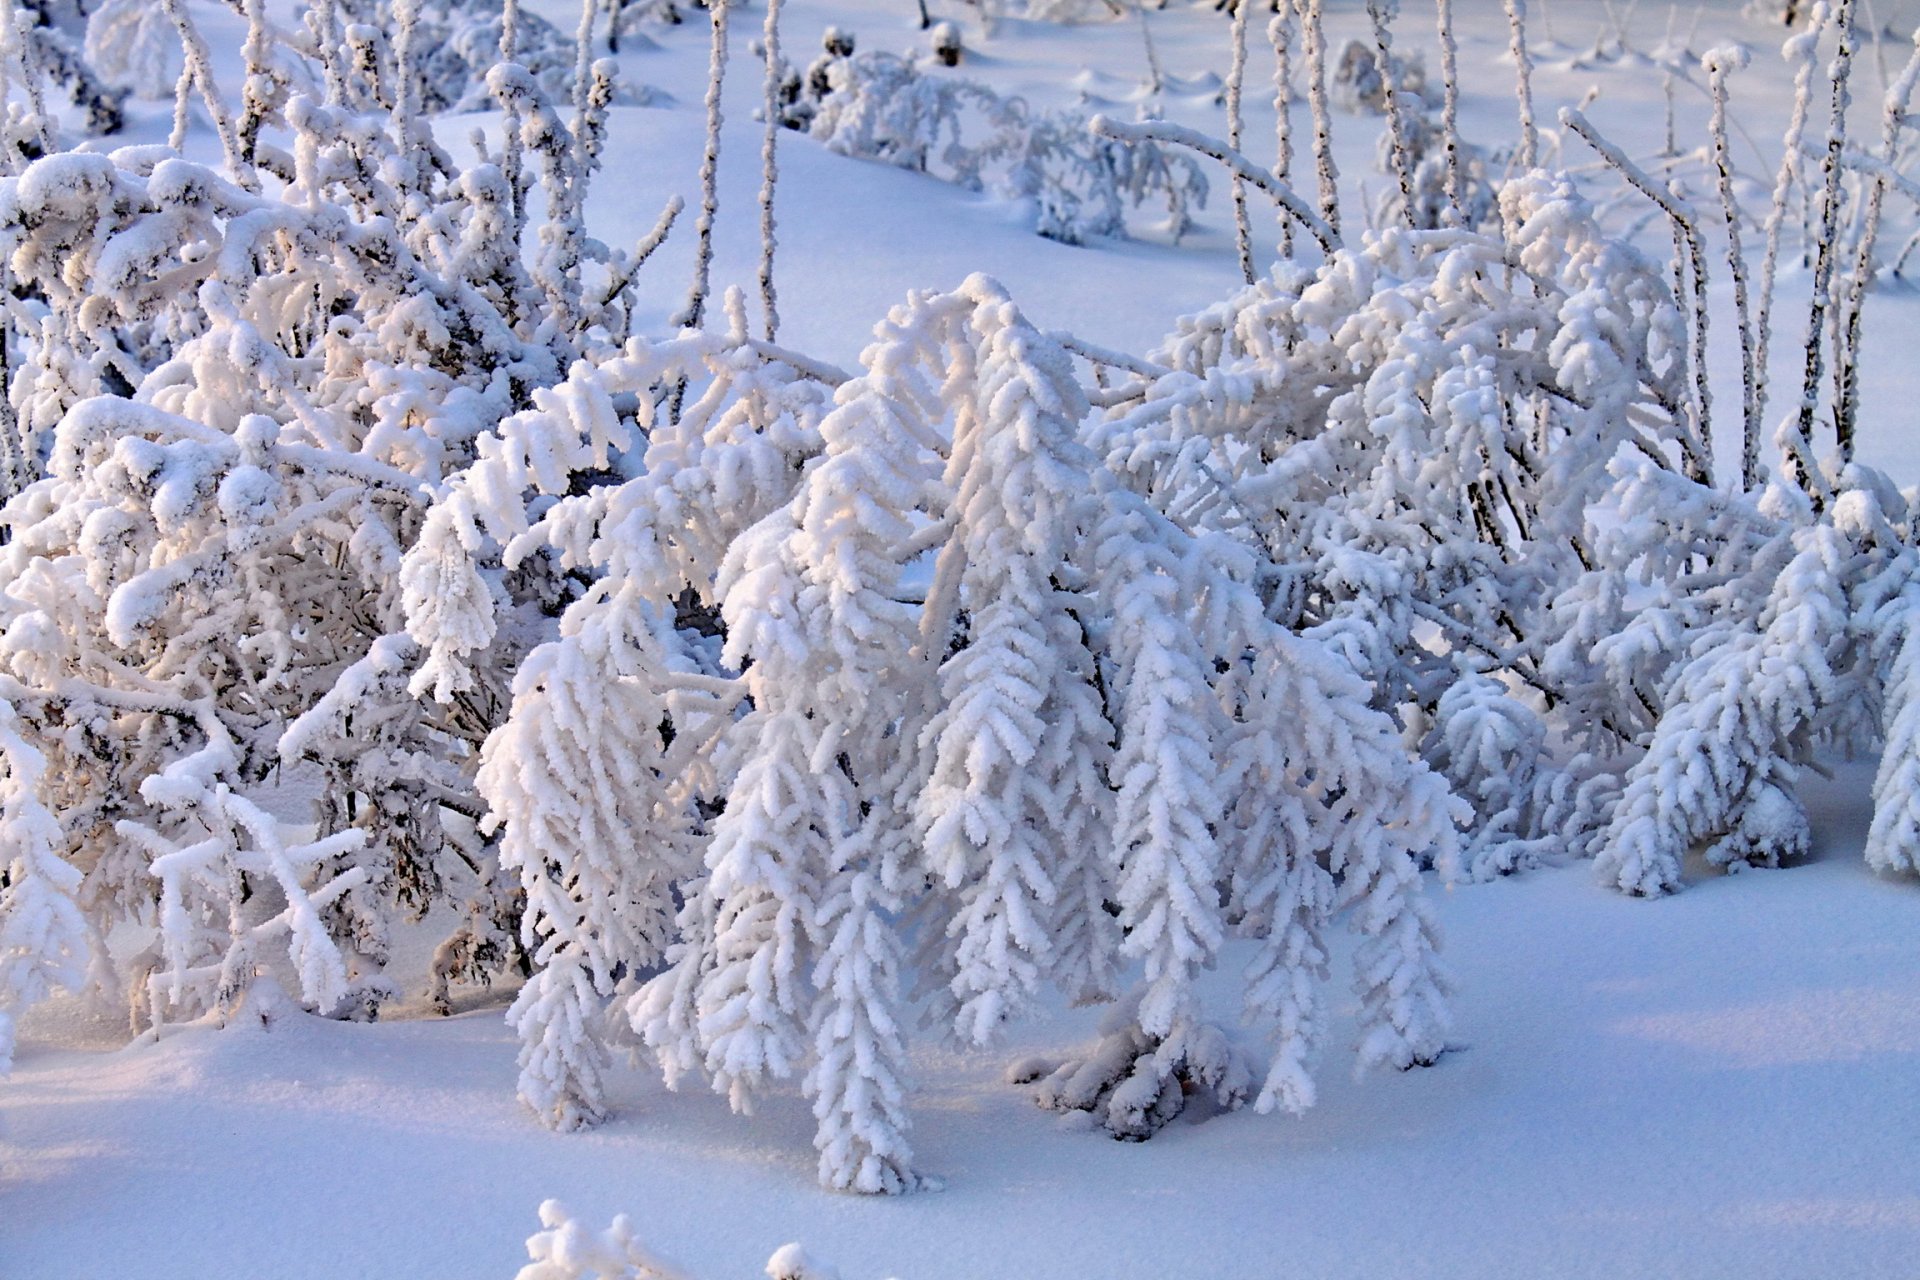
<point x="38" y="53"/>
<point x="134" y="45"/>
<point x="1781" y="662"/>
<point x="1090" y="701"/>
<point x="1427" y="161"/>
<point x="879" y="106"/>
<point x="236" y="392"/>
<point x="1361" y="83"/>
<point x="360" y="560"/>
<point x="460" y="42"/>
<point x="566" y="1249"/>
<point x="1424" y="479"/>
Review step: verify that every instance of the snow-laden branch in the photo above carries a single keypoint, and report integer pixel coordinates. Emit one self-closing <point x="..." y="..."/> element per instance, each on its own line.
<point x="1236" y="163"/>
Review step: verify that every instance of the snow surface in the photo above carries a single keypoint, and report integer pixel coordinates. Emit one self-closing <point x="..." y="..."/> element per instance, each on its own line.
<point x="1721" y="1083"/>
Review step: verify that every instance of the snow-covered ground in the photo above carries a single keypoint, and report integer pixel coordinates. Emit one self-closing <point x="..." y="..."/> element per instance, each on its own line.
<point x="1717" y="1084"/>
<point x="1720" y="1083"/>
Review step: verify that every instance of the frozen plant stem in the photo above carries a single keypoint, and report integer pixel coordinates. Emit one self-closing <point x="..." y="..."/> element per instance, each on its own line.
<point x="1853" y="295"/>
<point x="1156" y="81"/>
<point x="582" y="83"/>
<point x="1822" y="293"/>
<point x="709" y="174"/>
<point x="1314" y="37"/>
<point x="769" y="168"/>
<point x="1450" y="108"/>
<point x="1523" y="82"/>
<point x="258" y="52"/>
<point x="1239" y="165"/>
<point x="1236" y="79"/>
<point x="1697" y="444"/>
<point x="1381" y="13"/>
<point x="1805" y="50"/>
<point x="1280" y="36"/>
<point x="1668" y="147"/>
<point x="512" y="158"/>
<point x="15" y="29"/>
<point x="1719" y="64"/>
<point x="199" y="66"/>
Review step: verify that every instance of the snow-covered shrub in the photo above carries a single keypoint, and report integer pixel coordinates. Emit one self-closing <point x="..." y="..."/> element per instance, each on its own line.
<point x="1426" y="160"/>
<point x="1424" y="482"/>
<point x="236" y="393"/>
<point x="460" y="42"/>
<point x="598" y="771"/>
<point x="566" y="1249"/>
<point x="943" y="40"/>
<point x="37" y="53"/>
<point x="1785" y="12"/>
<point x="1087" y="702"/>
<point x="879" y="106"/>
<point x="1071" y="12"/>
<point x="1730" y="638"/>
<point x="44" y="944"/>
<point x="1778" y="664"/>
<point x="134" y="45"/>
<point x="1361" y="84"/>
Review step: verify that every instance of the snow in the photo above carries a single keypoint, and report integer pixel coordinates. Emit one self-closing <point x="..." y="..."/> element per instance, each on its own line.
<point x="1717" y="1084"/>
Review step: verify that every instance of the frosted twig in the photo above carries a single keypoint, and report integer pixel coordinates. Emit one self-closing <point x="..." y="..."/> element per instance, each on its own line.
<point x="1157" y="79"/>
<point x="643" y="250"/>
<point x="1523" y="82"/>
<point x="1236" y="79"/>
<point x="1179" y="135"/>
<point x="199" y="65"/>
<point x="511" y="149"/>
<point x="257" y="52"/>
<point x="1280" y="38"/>
<point x="1719" y="64"/>
<point x="1314" y="37"/>
<point x="1381" y="13"/>
<point x="582" y="85"/>
<point x="804" y="365"/>
<point x="16" y="39"/>
<point x="1821" y="294"/>
<point x="1098" y="355"/>
<point x="696" y="306"/>
<point x="1804" y="49"/>
<point x="769" y="168"/>
<point x="1853" y="294"/>
<point x="1700" y="448"/>
<point x="1450" y="108"/>
<point x="1669" y="147"/>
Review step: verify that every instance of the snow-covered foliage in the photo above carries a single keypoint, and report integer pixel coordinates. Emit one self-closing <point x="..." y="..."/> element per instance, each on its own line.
<point x="134" y="45"/>
<point x="879" y="106"/>
<point x="361" y="560"/>
<point x="38" y="53"/>
<point x="1362" y="81"/>
<point x="567" y="1249"/>
<point x="44" y="945"/>
<point x="927" y="775"/>
<point x="234" y="397"/>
